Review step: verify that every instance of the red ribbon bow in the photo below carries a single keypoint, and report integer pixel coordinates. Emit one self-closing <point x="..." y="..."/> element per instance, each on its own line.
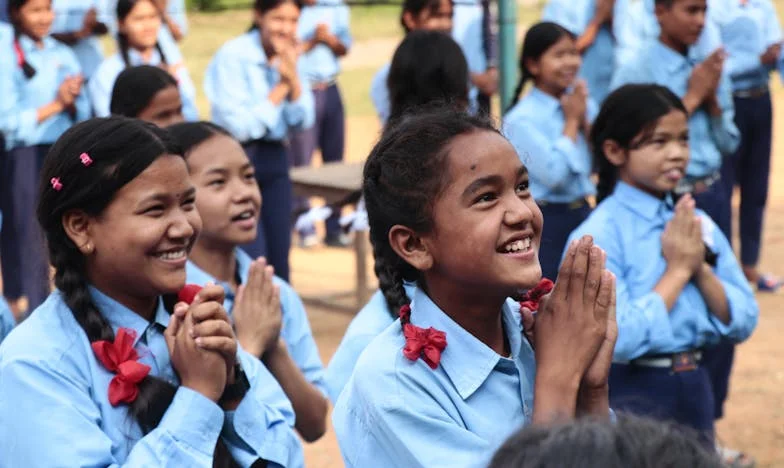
<point x="425" y="343"/>
<point x="121" y="358"/>
<point x="530" y="299"/>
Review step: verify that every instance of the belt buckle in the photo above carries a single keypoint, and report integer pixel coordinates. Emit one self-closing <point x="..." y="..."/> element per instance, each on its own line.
<point x="683" y="362"/>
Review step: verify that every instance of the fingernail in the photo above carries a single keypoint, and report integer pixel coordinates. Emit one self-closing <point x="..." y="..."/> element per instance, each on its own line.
<point x="199" y="342"/>
<point x="192" y="333"/>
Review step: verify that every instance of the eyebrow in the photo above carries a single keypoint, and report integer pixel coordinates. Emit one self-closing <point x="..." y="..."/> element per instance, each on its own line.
<point x="474" y="186"/>
<point x="163" y="197"/>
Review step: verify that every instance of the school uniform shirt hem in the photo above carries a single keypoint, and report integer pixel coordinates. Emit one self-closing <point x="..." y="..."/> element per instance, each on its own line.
<point x="194" y="420"/>
<point x="660" y="330"/>
<point x="28" y="121"/>
<point x="246" y="423"/>
<point x="574" y="159"/>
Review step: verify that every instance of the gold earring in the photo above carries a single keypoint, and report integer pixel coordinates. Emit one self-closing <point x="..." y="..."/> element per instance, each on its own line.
<point x="88" y="249"/>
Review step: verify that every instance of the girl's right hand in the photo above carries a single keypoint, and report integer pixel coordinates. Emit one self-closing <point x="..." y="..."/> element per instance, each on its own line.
<point x="575" y="103"/>
<point x="257" y="314"/>
<point x="572" y="322"/>
<point x="200" y="370"/>
<point x="682" y="244"/>
<point x="65" y="95"/>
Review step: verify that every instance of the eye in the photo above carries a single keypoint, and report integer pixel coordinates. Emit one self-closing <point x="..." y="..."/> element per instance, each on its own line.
<point x="155" y="210"/>
<point x="189" y="203"/>
<point x="216" y="183"/>
<point x="485" y="197"/>
<point x="522" y="187"/>
<point x="250" y="176"/>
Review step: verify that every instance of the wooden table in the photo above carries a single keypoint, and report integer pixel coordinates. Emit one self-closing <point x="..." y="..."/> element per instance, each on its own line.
<point x="334" y="182"/>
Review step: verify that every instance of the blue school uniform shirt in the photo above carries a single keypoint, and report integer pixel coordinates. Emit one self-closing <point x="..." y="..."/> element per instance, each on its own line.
<point x="7" y="65"/>
<point x="628" y="225"/>
<point x="467" y="32"/>
<point x="102" y="83"/>
<point x="747" y="31"/>
<point x="396" y="412"/>
<point x="559" y="168"/>
<point x="598" y="60"/>
<point x="296" y="328"/>
<point x="238" y="82"/>
<point x="53" y="63"/>
<point x="7" y="320"/>
<point x="634" y="24"/>
<point x="710" y="138"/>
<point x="373" y="319"/>
<point x="58" y="391"/>
<point x="69" y="17"/>
<point x="320" y="64"/>
<point x="176" y="10"/>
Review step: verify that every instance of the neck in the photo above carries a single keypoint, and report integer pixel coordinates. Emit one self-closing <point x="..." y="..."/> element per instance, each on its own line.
<point x="679" y="47"/>
<point x="555" y="92"/>
<point x="269" y="51"/>
<point x="479" y="315"/>
<point x="218" y="261"/>
<point x="145" y="53"/>
<point x="144" y="307"/>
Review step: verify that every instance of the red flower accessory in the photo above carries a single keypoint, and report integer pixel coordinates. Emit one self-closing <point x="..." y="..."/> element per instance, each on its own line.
<point x="121" y="358"/>
<point x="188" y="293"/>
<point x="530" y="299"/>
<point x="427" y="344"/>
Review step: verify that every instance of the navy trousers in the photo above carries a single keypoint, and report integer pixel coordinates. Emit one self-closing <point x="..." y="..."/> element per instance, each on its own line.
<point x="560" y="219"/>
<point x="685" y="397"/>
<point x="24" y="258"/>
<point x="274" y="234"/>
<point x="328" y="134"/>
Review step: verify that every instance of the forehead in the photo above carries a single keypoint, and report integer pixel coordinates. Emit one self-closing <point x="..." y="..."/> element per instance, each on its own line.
<point x="480" y="153"/>
<point x="673" y="121"/>
<point x="167" y="175"/>
<point x="217" y="151"/>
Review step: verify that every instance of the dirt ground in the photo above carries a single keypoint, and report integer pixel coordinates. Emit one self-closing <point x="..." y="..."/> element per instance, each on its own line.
<point x="754" y="420"/>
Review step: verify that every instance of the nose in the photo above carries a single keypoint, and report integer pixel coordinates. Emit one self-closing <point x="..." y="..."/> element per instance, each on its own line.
<point x="182" y="226"/>
<point x="518" y="211"/>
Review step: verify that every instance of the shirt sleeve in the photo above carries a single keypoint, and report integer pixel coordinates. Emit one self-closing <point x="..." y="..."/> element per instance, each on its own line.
<point x="343" y="27"/>
<point x="744" y="310"/>
<point x="379" y="94"/>
<point x="343" y="361"/>
<point x="188" y="94"/>
<point x="7" y="320"/>
<point x="39" y="398"/>
<point x="300" y="114"/>
<point x="643" y="321"/>
<point x="563" y="13"/>
<point x="100" y="87"/>
<point x="552" y="163"/>
<point x="299" y="338"/>
<point x="82" y="103"/>
<point x="261" y="426"/>
<point x="723" y="129"/>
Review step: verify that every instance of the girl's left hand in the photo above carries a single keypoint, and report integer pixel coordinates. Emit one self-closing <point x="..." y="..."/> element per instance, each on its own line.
<point x="599" y="370"/>
<point x="212" y="329"/>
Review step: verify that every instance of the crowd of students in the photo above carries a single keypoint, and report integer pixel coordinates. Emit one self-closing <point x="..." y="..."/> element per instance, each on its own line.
<point x="574" y="262"/>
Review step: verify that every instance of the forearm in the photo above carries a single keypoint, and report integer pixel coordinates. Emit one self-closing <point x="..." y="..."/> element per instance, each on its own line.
<point x="49" y="110"/>
<point x="310" y="405"/>
<point x="279" y="93"/>
<point x="671" y="285"/>
<point x="337" y="47"/>
<point x="713" y="293"/>
<point x="555" y="397"/>
<point x="594" y="402"/>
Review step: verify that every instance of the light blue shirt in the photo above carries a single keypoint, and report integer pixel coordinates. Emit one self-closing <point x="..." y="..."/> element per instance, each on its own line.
<point x="7" y="320"/>
<point x="634" y="24"/>
<point x="53" y="63"/>
<point x="238" y="82"/>
<point x="374" y="318"/>
<point x="320" y="65"/>
<point x="57" y="391"/>
<point x="598" y="60"/>
<point x="467" y="32"/>
<point x="559" y="168"/>
<point x="176" y="10"/>
<point x="379" y="95"/>
<point x="628" y="225"/>
<point x="710" y="138"/>
<point x="747" y="31"/>
<point x="68" y="18"/>
<point x="296" y="328"/>
<point x="7" y="69"/>
<point x="102" y="84"/>
<point x="396" y="412"/>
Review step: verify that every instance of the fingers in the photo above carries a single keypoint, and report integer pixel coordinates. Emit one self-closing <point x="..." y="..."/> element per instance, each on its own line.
<point x="221" y="344"/>
<point x="211" y="328"/>
<point x="594" y="277"/>
<point x="605" y="297"/>
<point x="209" y="293"/>
<point x="580" y="270"/>
<point x="529" y="319"/>
<point x="209" y="311"/>
<point x="565" y="272"/>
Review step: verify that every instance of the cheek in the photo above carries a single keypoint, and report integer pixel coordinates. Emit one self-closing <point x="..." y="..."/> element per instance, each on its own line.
<point x="195" y="220"/>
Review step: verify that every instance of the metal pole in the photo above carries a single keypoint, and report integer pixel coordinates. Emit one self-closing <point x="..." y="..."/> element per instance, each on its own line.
<point x="507" y="37"/>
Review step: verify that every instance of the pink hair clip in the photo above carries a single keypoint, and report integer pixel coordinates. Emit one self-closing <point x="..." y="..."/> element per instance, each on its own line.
<point x="56" y="184"/>
<point x="86" y="160"/>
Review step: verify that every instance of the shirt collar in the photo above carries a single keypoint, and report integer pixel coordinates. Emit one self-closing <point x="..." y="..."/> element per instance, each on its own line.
<point x="28" y="45"/>
<point x="120" y="316"/>
<point x="642" y="203"/>
<point x="543" y="100"/>
<point x="255" y="52"/>
<point x="672" y="59"/>
<point x="467" y="361"/>
<point x="135" y="58"/>
<point x="198" y="276"/>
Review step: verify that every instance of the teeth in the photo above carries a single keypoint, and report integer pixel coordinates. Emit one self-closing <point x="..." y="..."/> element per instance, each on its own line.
<point x="245" y="215"/>
<point x="176" y="255"/>
<point x="518" y="246"/>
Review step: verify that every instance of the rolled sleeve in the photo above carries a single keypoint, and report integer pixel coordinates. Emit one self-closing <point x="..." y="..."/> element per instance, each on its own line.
<point x="725" y="132"/>
<point x="301" y="113"/>
<point x="193" y="420"/>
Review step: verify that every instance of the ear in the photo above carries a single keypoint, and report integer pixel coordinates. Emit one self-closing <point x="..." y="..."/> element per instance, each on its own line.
<point x="660" y="9"/>
<point x="76" y="224"/>
<point x="532" y="66"/>
<point x="614" y="152"/>
<point x="409" y="21"/>
<point x="409" y="246"/>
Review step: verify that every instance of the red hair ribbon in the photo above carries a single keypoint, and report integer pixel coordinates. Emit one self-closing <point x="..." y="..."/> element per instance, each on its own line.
<point x="425" y="343"/>
<point x="121" y="358"/>
<point x="20" y="57"/>
<point x="530" y="299"/>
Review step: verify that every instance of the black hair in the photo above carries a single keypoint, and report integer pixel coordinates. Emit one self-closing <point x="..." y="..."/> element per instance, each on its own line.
<point x="403" y="176"/>
<point x="415" y="7"/>
<point x="666" y="3"/>
<point x="628" y="117"/>
<point x="135" y="87"/>
<point x="263" y="6"/>
<point x="586" y="443"/>
<point x="189" y="135"/>
<point x="13" y="8"/>
<point x="124" y="8"/>
<point x="428" y="66"/>
<point x="537" y="41"/>
<point x="120" y="148"/>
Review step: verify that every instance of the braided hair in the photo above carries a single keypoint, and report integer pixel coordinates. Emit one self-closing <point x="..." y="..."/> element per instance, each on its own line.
<point x="120" y="149"/>
<point x="628" y="117"/>
<point x="403" y="176"/>
<point x="537" y="41"/>
<point x="13" y="8"/>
